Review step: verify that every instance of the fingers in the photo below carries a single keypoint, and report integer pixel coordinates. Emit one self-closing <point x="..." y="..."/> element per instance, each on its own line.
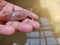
<point x="7" y="30"/>
<point x="35" y="24"/>
<point x="25" y="26"/>
<point x="20" y="26"/>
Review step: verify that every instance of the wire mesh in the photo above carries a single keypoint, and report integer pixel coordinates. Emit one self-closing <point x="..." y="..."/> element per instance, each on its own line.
<point x="45" y="36"/>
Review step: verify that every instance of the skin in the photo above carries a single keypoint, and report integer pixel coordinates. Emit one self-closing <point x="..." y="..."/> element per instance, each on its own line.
<point x="9" y="28"/>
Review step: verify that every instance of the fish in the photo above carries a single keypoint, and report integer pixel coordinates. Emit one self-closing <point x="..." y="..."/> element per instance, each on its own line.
<point x="16" y="16"/>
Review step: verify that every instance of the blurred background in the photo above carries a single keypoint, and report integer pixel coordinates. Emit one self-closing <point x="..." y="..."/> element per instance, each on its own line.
<point x="48" y="34"/>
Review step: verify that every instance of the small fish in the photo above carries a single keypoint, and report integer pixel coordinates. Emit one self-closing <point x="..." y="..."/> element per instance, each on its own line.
<point x="16" y="15"/>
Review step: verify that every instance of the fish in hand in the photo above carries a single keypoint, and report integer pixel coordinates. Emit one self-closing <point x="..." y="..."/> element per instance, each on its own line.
<point x="16" y="16"/>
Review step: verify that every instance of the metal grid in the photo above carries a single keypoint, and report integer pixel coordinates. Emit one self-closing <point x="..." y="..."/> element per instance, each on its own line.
<point x="45" y="36"/>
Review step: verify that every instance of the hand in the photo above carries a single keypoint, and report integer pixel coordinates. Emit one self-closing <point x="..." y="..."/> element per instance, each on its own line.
<point x="10" y="27"/>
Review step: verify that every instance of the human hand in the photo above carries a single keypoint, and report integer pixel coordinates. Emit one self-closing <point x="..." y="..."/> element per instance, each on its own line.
<point x="9" y="28"/>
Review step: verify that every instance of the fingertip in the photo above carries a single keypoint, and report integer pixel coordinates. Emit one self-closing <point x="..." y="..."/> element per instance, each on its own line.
<point x="35" y="16"/>
<point x="7" y="30"/>
<point x="35" y="24"/>
<point x="25" y="27"/>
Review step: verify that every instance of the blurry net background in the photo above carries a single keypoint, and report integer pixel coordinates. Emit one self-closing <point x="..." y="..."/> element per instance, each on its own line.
<point x="45" y="36"/>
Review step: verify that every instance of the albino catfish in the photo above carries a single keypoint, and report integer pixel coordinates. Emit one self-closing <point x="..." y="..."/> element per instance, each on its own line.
<point x="16" y="16"/>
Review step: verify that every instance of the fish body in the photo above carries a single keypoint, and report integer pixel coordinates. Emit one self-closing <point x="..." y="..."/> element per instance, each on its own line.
<point x="16" y="15"/>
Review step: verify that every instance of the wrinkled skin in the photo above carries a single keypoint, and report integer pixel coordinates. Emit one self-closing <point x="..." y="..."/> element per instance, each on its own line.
<point x="12" y="24"/>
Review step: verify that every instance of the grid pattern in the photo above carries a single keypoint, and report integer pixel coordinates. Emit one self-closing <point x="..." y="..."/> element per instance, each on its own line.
<point x="45" y="36"/>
